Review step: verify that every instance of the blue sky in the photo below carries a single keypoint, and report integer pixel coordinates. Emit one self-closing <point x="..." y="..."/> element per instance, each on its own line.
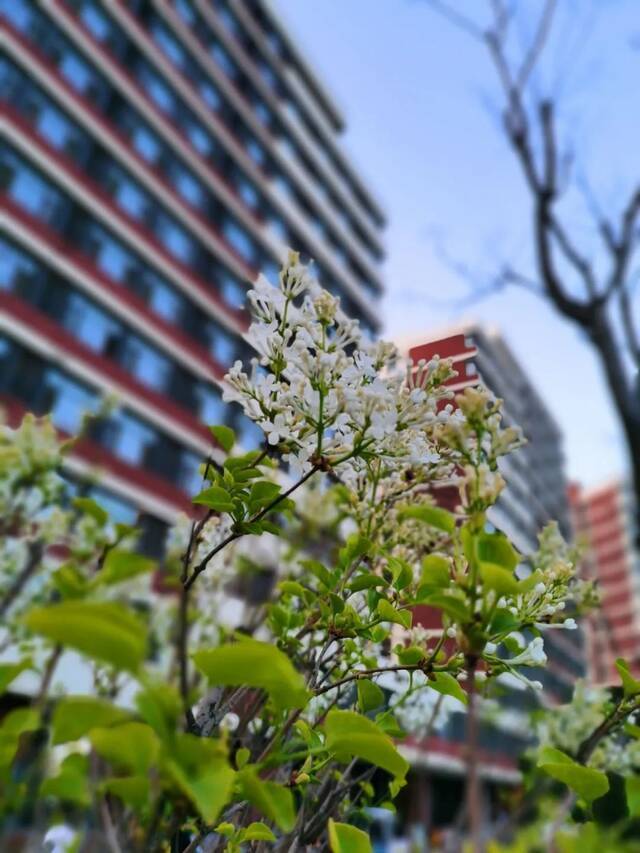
<point x="417" y="97"/>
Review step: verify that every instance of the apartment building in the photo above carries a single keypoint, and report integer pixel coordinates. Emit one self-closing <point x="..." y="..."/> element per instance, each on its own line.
<point x="156" y="156"/>
<point x="604" y="520"/>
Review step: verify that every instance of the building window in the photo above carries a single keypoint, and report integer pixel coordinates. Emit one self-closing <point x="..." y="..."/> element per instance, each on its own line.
<point x="221" y="345"/>
<point x="239" y="240"/>
<point x="233" y="293"/>
<point x="255" y="151"/>
<point x="247" y="191"/>
<point x="145" y="363"/>
<point x="210" y="95"/>
<point x="174" y="238"/>
<point x="190" y="475"/>
<point x="89" y="324"/>
<point x="185" y="10"/>
<point x="168" y="44"/>
<point x="119" y="510"/>
<point x="189" y="187"/>
<point x="198" y="137"/>
<point x="146" y="143"/>
<point x="222" y="58"/>
<point x="127" y="437"/>
<point x="69" y="400"/>
<point x="17" y="271"/>
<point x="19" y="13"/>
<point x="211" y="409"/>
<point x="28" y="189"/>
<point x="96" y="22"/>
<point x="159" y="93"/>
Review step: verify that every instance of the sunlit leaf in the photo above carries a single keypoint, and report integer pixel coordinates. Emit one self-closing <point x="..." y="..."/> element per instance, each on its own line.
<point x="254" y="664"/>
<point x="104" y="631"/>
<point x="351" y="735"/>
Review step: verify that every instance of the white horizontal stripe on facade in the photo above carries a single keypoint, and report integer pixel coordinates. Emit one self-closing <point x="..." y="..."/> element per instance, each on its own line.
<point x="95" y="379"/>
<point x="115" y="223"/>
<point x="59" y="261"/>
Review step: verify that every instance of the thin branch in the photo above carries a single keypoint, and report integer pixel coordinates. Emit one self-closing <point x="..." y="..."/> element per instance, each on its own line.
<point x="537" y="45"/>
<point x="459" y="20"/>
<point x="188" y="583"/>
<point x="30" y="567"/>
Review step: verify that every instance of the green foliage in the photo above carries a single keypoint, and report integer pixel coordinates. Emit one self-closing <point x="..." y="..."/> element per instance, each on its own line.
<point x="351" y="735"/>
<point x="254" y="664"/>
<point x="104" y="631"/>
<point x="187" y="724"/>
<point x="344" y="838"/>
<point x="585" y="781"/>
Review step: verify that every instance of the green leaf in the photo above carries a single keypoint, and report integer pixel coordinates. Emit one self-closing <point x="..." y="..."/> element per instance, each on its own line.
<point x="388" y="613"/>
<point x="495" y="548"/>
<point x="121" y="566"/>
<point x="351" y="735"/>
<point x="257" y="831"/>
<point x="72" y="782"/>
<point x="370" y="696"/>
<point x="133" y="746"/>
<point x="344" y="838"/>
<point x="630" y="685"/>
<point x="632" y="785"/>
<point x="224" y="435"/>
<point x="70" y="582"/>
<point x="498" y="579"/>
<point x="435" y="571"/>
<point x="272" y="800"/>
<point x="161" y="707"/>
<point x="401" y="572"/>
<point x="74" y="716"/>
<point x="446" y="684"/>
<point x="434" y="516"/>
<point x="262" y="493"/>
<point x="10" y="671"/>
<point x="199" y="766"/>
<point x="319" y="572"/>
<point x="251" y="663"/>
<point x="215" y="498"/>
<point x="366" y="581"/>
<point x="89" y="507"/>
<point x="410" y="655"/>
<point x="134" y="791"/>
<point x="453" y="606"/>
<point x="356" y="546"/>
<point x="242" y="756"/>
<point x="103" y="631"/>
<point x="585" y="781"/>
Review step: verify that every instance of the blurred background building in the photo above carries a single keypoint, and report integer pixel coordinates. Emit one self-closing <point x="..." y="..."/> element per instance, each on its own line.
<point x="604" y="520"/>
<point x="155" y="157"/>
<point x="536" y="493"/>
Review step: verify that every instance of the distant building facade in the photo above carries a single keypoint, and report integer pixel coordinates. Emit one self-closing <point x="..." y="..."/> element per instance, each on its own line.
<point x="155" y="157"/>
<point x="604" y="520"/>
<point x="536" y="493"/>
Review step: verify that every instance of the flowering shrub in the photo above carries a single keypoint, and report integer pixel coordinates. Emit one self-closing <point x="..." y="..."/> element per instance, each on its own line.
<point x="187" y="729"/>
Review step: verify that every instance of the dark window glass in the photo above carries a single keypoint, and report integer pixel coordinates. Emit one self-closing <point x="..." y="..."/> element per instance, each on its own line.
<point x="18" y="272"/>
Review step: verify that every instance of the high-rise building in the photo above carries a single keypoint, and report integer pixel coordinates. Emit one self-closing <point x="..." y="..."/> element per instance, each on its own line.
<point x="535" y="494"/>
<point x="156" y="156"/>
<point x="604" y="520"/>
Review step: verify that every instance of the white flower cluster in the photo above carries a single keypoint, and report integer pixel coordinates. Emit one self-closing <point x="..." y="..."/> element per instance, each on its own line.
<point x="555" y="565"/>
<point x="324" y="395"/>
